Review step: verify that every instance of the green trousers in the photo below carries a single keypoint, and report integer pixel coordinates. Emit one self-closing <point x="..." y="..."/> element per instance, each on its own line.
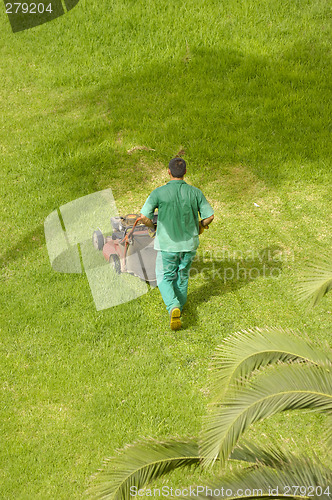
<point x="172" y="273"/>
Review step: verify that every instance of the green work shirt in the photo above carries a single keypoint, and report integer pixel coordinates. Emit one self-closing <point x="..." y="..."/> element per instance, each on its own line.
<point x="178" y="206"/>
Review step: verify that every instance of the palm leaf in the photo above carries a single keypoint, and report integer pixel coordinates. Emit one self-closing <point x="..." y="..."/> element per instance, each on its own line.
<point x="142" y="463"/>
<point x="272" y="456"/>
<point x="246" y="351"/>
<point x="315" y="282"/>
<point x="145" y="461"/>
<point x="283" y="387"/>
<point x="329" y="431"/>
<point x="298" y="477"/>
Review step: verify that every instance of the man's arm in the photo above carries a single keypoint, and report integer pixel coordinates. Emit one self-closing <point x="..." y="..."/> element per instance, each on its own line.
<point x="204" y="209"/>
<point x="204" y="223"/>
<point x="148" y="209"/>
<point x="207" y="221"/>
<point x="148" y="222"/>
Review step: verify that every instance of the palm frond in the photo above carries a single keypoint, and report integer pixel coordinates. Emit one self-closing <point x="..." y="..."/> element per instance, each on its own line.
<point x="329" y="431"/>
<point x="298" y="477"/>
<point x="268" y="455"/>
<point x="283" y="387"/>
<point x="241" y="354"/>
<point x="316" y="281"/>
<point x="141" y="463"/>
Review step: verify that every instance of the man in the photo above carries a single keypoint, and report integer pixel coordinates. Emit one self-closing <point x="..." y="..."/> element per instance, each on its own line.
<point x="176" y="239"/>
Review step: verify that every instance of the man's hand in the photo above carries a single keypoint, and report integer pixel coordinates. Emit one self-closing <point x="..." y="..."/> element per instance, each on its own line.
<point x="204" y="223"/>
<point x="148" y="222"/>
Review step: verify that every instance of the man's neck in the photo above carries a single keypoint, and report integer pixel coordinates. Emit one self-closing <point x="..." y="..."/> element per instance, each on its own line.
<point x="176" y="178"/>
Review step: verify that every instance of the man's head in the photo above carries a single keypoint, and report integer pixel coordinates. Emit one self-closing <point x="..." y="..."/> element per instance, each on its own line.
<point x="177" y="168"/>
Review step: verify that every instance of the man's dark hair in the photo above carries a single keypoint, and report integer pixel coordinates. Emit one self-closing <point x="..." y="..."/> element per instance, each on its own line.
<point x="177" y="167"/>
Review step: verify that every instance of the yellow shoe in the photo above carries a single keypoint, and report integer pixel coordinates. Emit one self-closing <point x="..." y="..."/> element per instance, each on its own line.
<point x="175" y="321"/>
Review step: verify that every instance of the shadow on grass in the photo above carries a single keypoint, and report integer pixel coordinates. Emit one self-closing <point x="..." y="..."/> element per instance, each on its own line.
<point x="221" y="276"/>
<point x="222" y="107"/>
<point x="24" y="246"/>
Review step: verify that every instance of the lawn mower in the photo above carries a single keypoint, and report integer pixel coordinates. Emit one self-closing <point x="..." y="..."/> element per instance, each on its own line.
<point x="129" y="249"/>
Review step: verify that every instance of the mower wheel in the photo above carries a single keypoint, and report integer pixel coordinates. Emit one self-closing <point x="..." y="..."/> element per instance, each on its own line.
<point x="98" y="240"/>
<point x="115" y="263"/>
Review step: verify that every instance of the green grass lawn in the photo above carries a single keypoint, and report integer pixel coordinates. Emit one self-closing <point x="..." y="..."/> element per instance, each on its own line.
<point x="244" y="89"/>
